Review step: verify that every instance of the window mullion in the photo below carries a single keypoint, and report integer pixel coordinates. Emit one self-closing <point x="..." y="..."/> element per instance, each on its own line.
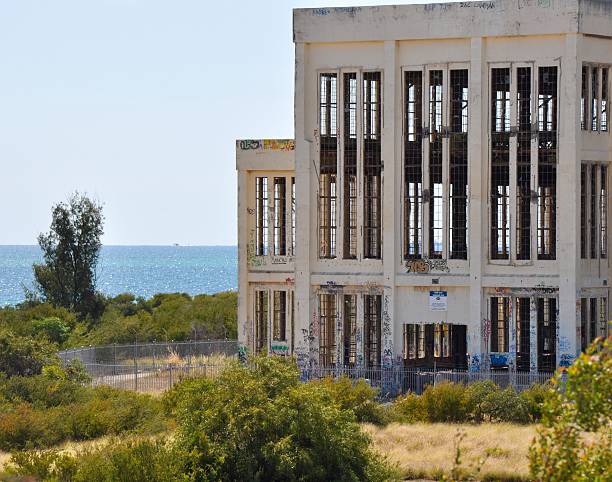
<point x="513" y="154"/>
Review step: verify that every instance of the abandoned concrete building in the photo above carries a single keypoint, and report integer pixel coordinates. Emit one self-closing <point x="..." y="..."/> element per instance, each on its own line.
<point x="445" y="199"/>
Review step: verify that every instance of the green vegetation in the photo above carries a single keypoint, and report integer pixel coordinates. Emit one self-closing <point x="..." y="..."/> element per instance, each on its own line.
<point x="126" y="319"/>
<point x="575" y="441"/>
<point x="478" y="402"/>
<point x="256" y="423"/>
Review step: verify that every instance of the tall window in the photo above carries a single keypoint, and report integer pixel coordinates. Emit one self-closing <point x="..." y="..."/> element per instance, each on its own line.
<point x="592" y="319"/>
<point x="372" y="327"/>
<point x="292" y="248"/>
<point x="584" y="213"/>
<point x="261" y="216"/>
<point x="410" y="341"/>
<point x="436" y="214"/>
<point x="500" y="315"/>
<point x="584" y="99"/>
<point x="605" y="98"/>
<point x="413" y="170"/>
<point x="500" y="163"/>
<point x="261" y="320"/>
<point x="603" y="317"/>
<point x="522" y="334"/>
<point x="279" y="325"/>
<point x="594" y="97"/>
<point x="547" y="333"/>
<point x="328" y="165"/>
<point x="372" y="105"/>
<point x="280" y="216"/>
<point x="458" y="163"/>
<point x="593" y="219"/>
<point x="523" y="164"/>
<point x="547" y="162"/>
<point x="350" y="165"/>
<point x="350" y="330"/>
<point x="584" y="324"/>
<point x="327" y="332"/>
<point x="603" y="212"/>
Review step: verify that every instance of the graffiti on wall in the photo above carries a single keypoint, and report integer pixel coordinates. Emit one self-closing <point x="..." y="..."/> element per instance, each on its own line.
<point x="475" y="363"/>
<point x="426" y="265"/>
<point x="485" y="330"/>
<point x="266" y="144"/>
<point x="387" y="359"/>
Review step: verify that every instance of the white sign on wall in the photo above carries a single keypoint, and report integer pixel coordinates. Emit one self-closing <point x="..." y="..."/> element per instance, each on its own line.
<point x="438" y="300"/>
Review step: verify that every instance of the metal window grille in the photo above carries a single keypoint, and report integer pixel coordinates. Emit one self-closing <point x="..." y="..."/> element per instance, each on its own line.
<point x="261" y="320"/>
<point x="328" y="166"/>
<point x="413" y="169"/>
<point x="603" y="212"/>
<point x="593" y="217"/>
<point x="547" y="162"/>
<point x="547" y="333"/>
<point x="372" y="164"/>
<point x="594" y="97"/>
<point x="421" y="352"/>
<point x="584" y="323"/>
<point x="410" y="341"/>
<point x="292" y="305"/>
<point x="500" y="163"/>
<point x="458" y="165"/>
<point x="436" y="191"/>
<point x="261" y="216"/>
<point x="350" y="330"/>
<point x="327" y="331"/>
<point x="522" y="334"/>
<point x="446" y="345"/>
<point x="279" y="326"/>
<point x="372" y="327"/>
<point x="605" y="94"/>
<point x="499" y="323"/>
<point x="280" y="216"/>
<point x="437" y="340"/>
<point x="584" y="174"/>
<point x="292" y="248"/>
<point x="350" y="165"/>
<point x="523" y="164"/>
<point x="584" y="102"/>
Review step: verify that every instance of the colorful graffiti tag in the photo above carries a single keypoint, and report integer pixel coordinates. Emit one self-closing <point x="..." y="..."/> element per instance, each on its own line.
<point x="266" y="144"/>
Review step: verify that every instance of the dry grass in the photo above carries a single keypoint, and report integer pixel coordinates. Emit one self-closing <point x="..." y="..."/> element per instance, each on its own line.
<point x="428" y="450"/>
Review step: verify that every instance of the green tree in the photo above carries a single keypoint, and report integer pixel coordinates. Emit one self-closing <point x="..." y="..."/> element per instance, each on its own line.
<point x="71" y="250"/>
<point x="20" y="355"/>
<point x="575" y="441"/>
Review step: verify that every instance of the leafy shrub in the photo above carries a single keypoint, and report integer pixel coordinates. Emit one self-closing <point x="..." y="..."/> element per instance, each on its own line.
<point x="505" y="406"/>
<point x="357" y="396"/>
<point x="408" y="409"/>
<point x="260" y="423"/>
<point x="24" y="356"/>
<point x="534" y="397"/>
<point x="575" y="440"/>
<point x="445" y="402"/>
<point x="54" y="329"/>
<point x="477" y="395"/>
<point x="134" y="461"/>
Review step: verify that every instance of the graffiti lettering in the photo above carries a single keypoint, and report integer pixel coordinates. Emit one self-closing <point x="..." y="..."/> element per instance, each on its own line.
<point x="426" y="265"/>
<point x="266" y="144"/>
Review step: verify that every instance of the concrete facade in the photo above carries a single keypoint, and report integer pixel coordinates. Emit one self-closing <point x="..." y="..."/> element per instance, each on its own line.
<point x="394" y="251"/>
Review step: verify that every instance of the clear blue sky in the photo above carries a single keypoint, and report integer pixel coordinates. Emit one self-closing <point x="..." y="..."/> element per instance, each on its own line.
<point x="138" y="103"/>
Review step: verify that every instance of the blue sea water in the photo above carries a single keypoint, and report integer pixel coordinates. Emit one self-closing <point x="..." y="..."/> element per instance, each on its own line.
<point x="142" y="270"/>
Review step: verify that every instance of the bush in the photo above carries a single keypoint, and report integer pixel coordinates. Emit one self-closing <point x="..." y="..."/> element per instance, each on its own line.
<point x="54" y="329"/>
<point x="260" y="423"/>
<point x="477" y="395"/>
<point x="24" y="356"/>
<point x="357" y="396"/>
<point x="505" y="406"/>
<point x="534" y="397"/>
<point x="134" y="461"/>
<point x="575" y="440"/>
<point x="445" y="402"/>
<point x="408" y="409"/>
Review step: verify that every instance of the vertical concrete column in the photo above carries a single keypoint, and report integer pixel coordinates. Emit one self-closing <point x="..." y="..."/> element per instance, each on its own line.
<point x="477" y="168"/>
<point x="512" y="330"/>
<point x="391" y="203"/>
<point x="243" y="263"/>
<point x="303" y="172"/>
<point x="568" y="202"/>
<point x="359" y="332"/>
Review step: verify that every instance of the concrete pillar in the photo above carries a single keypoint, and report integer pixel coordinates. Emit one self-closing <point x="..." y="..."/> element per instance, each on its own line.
<point x="477" y="152"/>
<point x="568" y="201"/>
<point x="304" y="305"/>
<point x="243" y="239"/>
<point x="391" y="208"/>
<point x="533" y="335"/>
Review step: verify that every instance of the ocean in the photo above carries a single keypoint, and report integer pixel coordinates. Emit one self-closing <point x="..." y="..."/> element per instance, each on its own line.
<point x="141" y="270"/>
